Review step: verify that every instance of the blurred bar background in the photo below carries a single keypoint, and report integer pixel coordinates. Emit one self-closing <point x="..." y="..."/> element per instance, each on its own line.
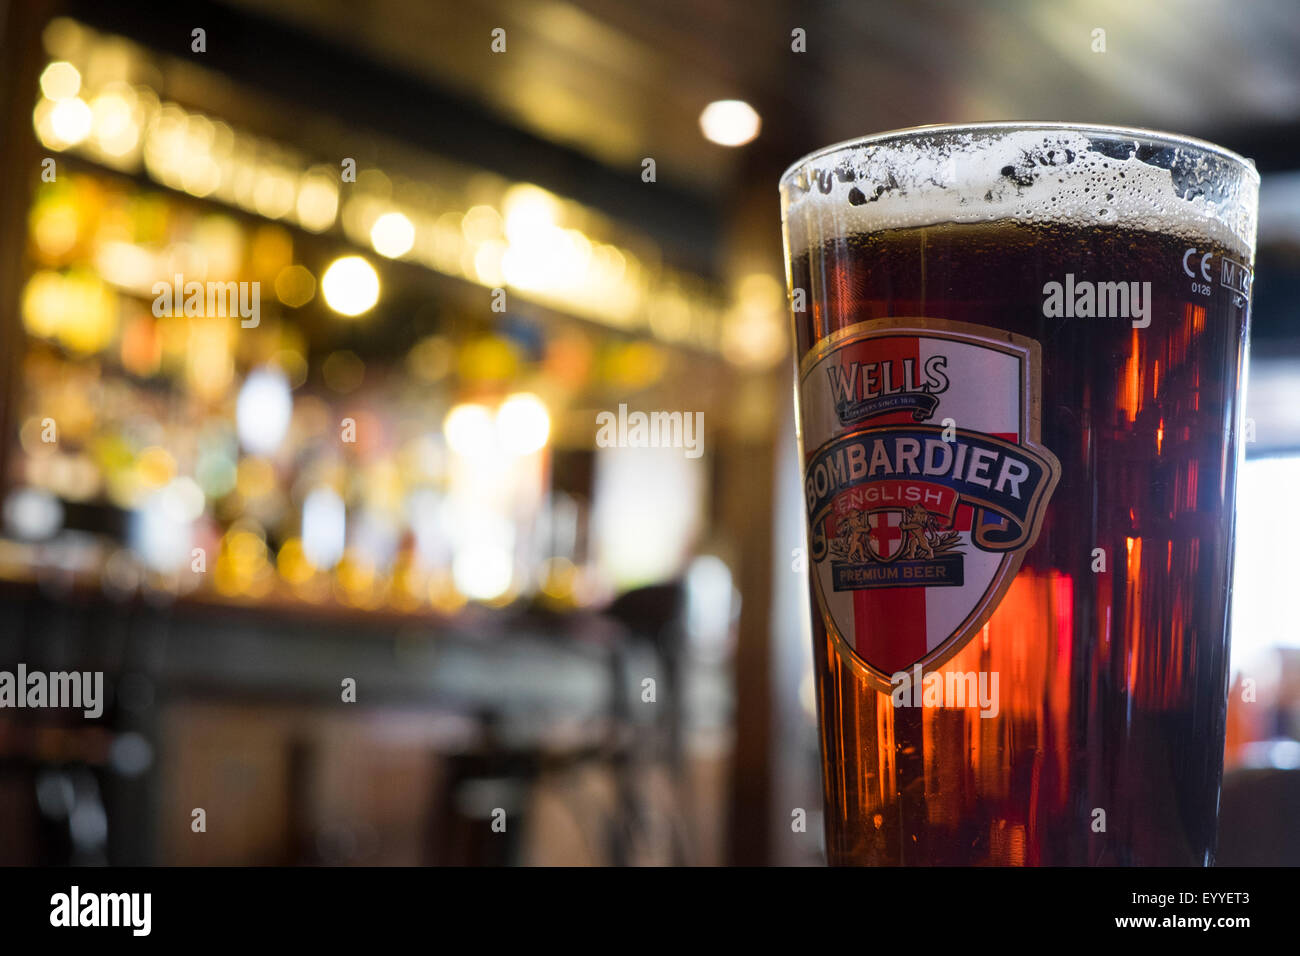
<point x="393" y="472"/>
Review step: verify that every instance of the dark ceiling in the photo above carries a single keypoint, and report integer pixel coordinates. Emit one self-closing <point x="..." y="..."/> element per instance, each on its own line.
<point x="620" y="80"/>
<point x="587" y="89"/>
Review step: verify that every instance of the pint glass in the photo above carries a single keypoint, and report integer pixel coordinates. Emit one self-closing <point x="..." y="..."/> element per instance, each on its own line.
<point x="1019" y="359"/>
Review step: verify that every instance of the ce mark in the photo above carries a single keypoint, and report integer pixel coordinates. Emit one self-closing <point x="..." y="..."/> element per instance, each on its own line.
<point x="1205" y="264"/>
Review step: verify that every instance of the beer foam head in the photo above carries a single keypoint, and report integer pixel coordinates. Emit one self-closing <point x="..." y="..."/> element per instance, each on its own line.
<point x="1036" y="173"/>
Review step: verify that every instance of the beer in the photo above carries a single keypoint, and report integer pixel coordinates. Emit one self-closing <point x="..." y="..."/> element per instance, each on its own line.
<point x="1019" y="360"/>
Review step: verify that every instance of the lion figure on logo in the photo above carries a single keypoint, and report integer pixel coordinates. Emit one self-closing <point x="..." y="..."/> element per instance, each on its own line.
<point x="856" y="532"/>
<point x="918" y="525"/>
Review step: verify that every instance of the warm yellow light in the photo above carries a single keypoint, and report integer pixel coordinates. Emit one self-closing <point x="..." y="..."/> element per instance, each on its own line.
<point x="113" y="116"/>
<point x="488" y="261"/>
<point x="54" y="227"/>
<point x="350" y="285"/>
<point x="156" y="466"/>
<point x="210" y="356"/>
<point x="754" y="332"/>
<point x="559" y="578"/>
<point x="54" y="302"/>
<point x="60" y="81"/>
<point x="729" y="122"/>
<point x="523" y="424"/>
<point x="78" y="308"/>
<point x="275" y="190"/>
<point x="318" y="202"/>
<point x="126" y="265"/>
<point x="292" y="563"/>
<point x="531" y="213"/>
<point x="272" y="250"/>
<point x="468" y="429"/>
<point x="295" y="286"/>
<point x="71" y="120"/>
<point x="392" y="235"/>
<point x="481" y="223"/>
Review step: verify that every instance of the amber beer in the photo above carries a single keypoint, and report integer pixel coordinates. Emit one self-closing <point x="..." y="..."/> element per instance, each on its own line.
<point x="1019" y="359"/>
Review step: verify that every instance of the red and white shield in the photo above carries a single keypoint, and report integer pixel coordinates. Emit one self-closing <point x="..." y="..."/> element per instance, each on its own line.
<point x="885" y="539"/>
<point x="926" y="376"/>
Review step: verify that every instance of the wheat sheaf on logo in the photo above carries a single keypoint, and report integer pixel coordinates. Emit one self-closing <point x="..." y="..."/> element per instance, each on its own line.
<point x="922" y="536"/>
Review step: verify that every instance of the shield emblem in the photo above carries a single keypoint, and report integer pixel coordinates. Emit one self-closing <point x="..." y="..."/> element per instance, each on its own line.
<point x="921" y="438"/>
<point x="885" y="537"/>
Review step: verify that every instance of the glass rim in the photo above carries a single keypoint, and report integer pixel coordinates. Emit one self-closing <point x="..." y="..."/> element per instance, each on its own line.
<point x="1118" y="132"/>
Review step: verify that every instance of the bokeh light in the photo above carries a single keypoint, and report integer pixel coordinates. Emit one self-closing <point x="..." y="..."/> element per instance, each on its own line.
<point x="324" y="527"/>
<point x="350" y="286"/>
<point x="71" y="120"/>
<point x="263" y="410"/>
<point x="60" y="80"/>
<point x="523" y="424"/>
<point x="392" y="235"/>
<point x="469" y="429"/>
<point x="482" y="573"/>
<point x="730" y="122"/>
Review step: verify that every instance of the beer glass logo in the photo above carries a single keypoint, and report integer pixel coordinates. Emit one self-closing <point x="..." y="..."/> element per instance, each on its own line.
<point x="866" y="389"/>
<point x="917" y="530"/>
